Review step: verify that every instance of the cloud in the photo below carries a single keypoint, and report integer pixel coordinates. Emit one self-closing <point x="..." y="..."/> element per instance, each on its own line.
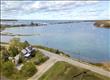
<point x="30" y="6"/>
<point x="59" y="5"/>
<point x="50" y="8"/>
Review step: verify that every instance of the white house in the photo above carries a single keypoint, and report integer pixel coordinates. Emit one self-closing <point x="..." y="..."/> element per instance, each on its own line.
<point x="28" y="51"/>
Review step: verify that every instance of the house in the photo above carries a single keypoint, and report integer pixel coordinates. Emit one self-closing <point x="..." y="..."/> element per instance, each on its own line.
<point x="27" y="52"/>
<point x="16" y="59"/>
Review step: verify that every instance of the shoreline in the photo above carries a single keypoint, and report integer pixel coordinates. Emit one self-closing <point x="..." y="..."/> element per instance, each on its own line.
<point x="104" y="65"/>
<point x="11" y="34"/>
<point x="102" y="24"/>
<point x="98" y="23"/>
<point x="3" y="27"/>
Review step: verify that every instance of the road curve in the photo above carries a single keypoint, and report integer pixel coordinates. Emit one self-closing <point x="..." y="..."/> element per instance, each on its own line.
<point x="53" y="58"/>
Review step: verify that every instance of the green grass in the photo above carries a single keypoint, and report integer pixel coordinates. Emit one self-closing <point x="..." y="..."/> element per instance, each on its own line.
<point x="2" y="28"/>
<point x="56" y="51"/>
<point x="39" y="57"/>
<point x="4" y="43"/>
<point x="65" y="71"/>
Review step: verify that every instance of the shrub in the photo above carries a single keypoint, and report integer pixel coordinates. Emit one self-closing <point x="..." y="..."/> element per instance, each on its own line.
<point x="24" y="44"/>
<point x="29" y="69"/>
<point x="21" y="59"/>
<point x="4" y="55"/>
<point x="37" y="62"/>
<point x="57" y="51"/>
<point x="13" y="51"/>
<point x="33" y="54"/>
<point x="8" y="68"/>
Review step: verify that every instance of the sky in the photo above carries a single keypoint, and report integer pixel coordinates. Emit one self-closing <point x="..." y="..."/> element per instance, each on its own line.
<point x="56" y="10"/>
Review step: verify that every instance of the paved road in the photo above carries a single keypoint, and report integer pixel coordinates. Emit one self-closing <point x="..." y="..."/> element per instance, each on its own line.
<point x="43" y="68"/>
<point x="54" y="58"/>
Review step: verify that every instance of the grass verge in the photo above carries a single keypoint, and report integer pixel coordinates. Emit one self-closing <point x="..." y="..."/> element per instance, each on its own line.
<point x="66" y="71"/>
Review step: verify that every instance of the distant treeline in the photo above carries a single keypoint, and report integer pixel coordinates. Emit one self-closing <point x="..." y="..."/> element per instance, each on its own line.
<point x="8" y="20"/>
<point x="20" y="25"/>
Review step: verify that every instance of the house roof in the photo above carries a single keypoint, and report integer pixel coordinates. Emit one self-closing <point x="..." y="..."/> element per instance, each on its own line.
<point x="28" y="49"/>
<point x="27" y="55"/>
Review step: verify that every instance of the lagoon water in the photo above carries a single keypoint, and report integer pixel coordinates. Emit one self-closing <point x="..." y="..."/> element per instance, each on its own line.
<point x="79" y="39"/>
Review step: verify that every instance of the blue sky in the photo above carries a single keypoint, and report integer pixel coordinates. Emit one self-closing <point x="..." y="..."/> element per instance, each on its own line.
<point x="55" y="10"/>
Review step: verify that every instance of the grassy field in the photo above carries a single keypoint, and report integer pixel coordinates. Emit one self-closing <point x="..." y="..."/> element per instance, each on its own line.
<point x="65" y="71"/>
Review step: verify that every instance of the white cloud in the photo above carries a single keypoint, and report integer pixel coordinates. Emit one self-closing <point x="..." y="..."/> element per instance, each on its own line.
<point x="50" y="5"/>
<point x="37" y="5"/>
<point x="58" y="9"/>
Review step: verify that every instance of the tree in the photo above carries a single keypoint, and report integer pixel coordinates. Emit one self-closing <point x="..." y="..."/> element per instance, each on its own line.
<point x="29" y="69"/>
<point x="14" y="42"/>
<point x="4" y="55"/>
<point x="57" y="51"/>
<point x="8" y="68"/>
<point x="13" y="51"/>
<point x="33" y="54"/>
<point x="25" y="44"/>
<point x="21" y="58"/>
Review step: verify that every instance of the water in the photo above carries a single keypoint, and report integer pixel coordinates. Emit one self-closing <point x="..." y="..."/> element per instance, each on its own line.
<point x="80" y="40"/>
